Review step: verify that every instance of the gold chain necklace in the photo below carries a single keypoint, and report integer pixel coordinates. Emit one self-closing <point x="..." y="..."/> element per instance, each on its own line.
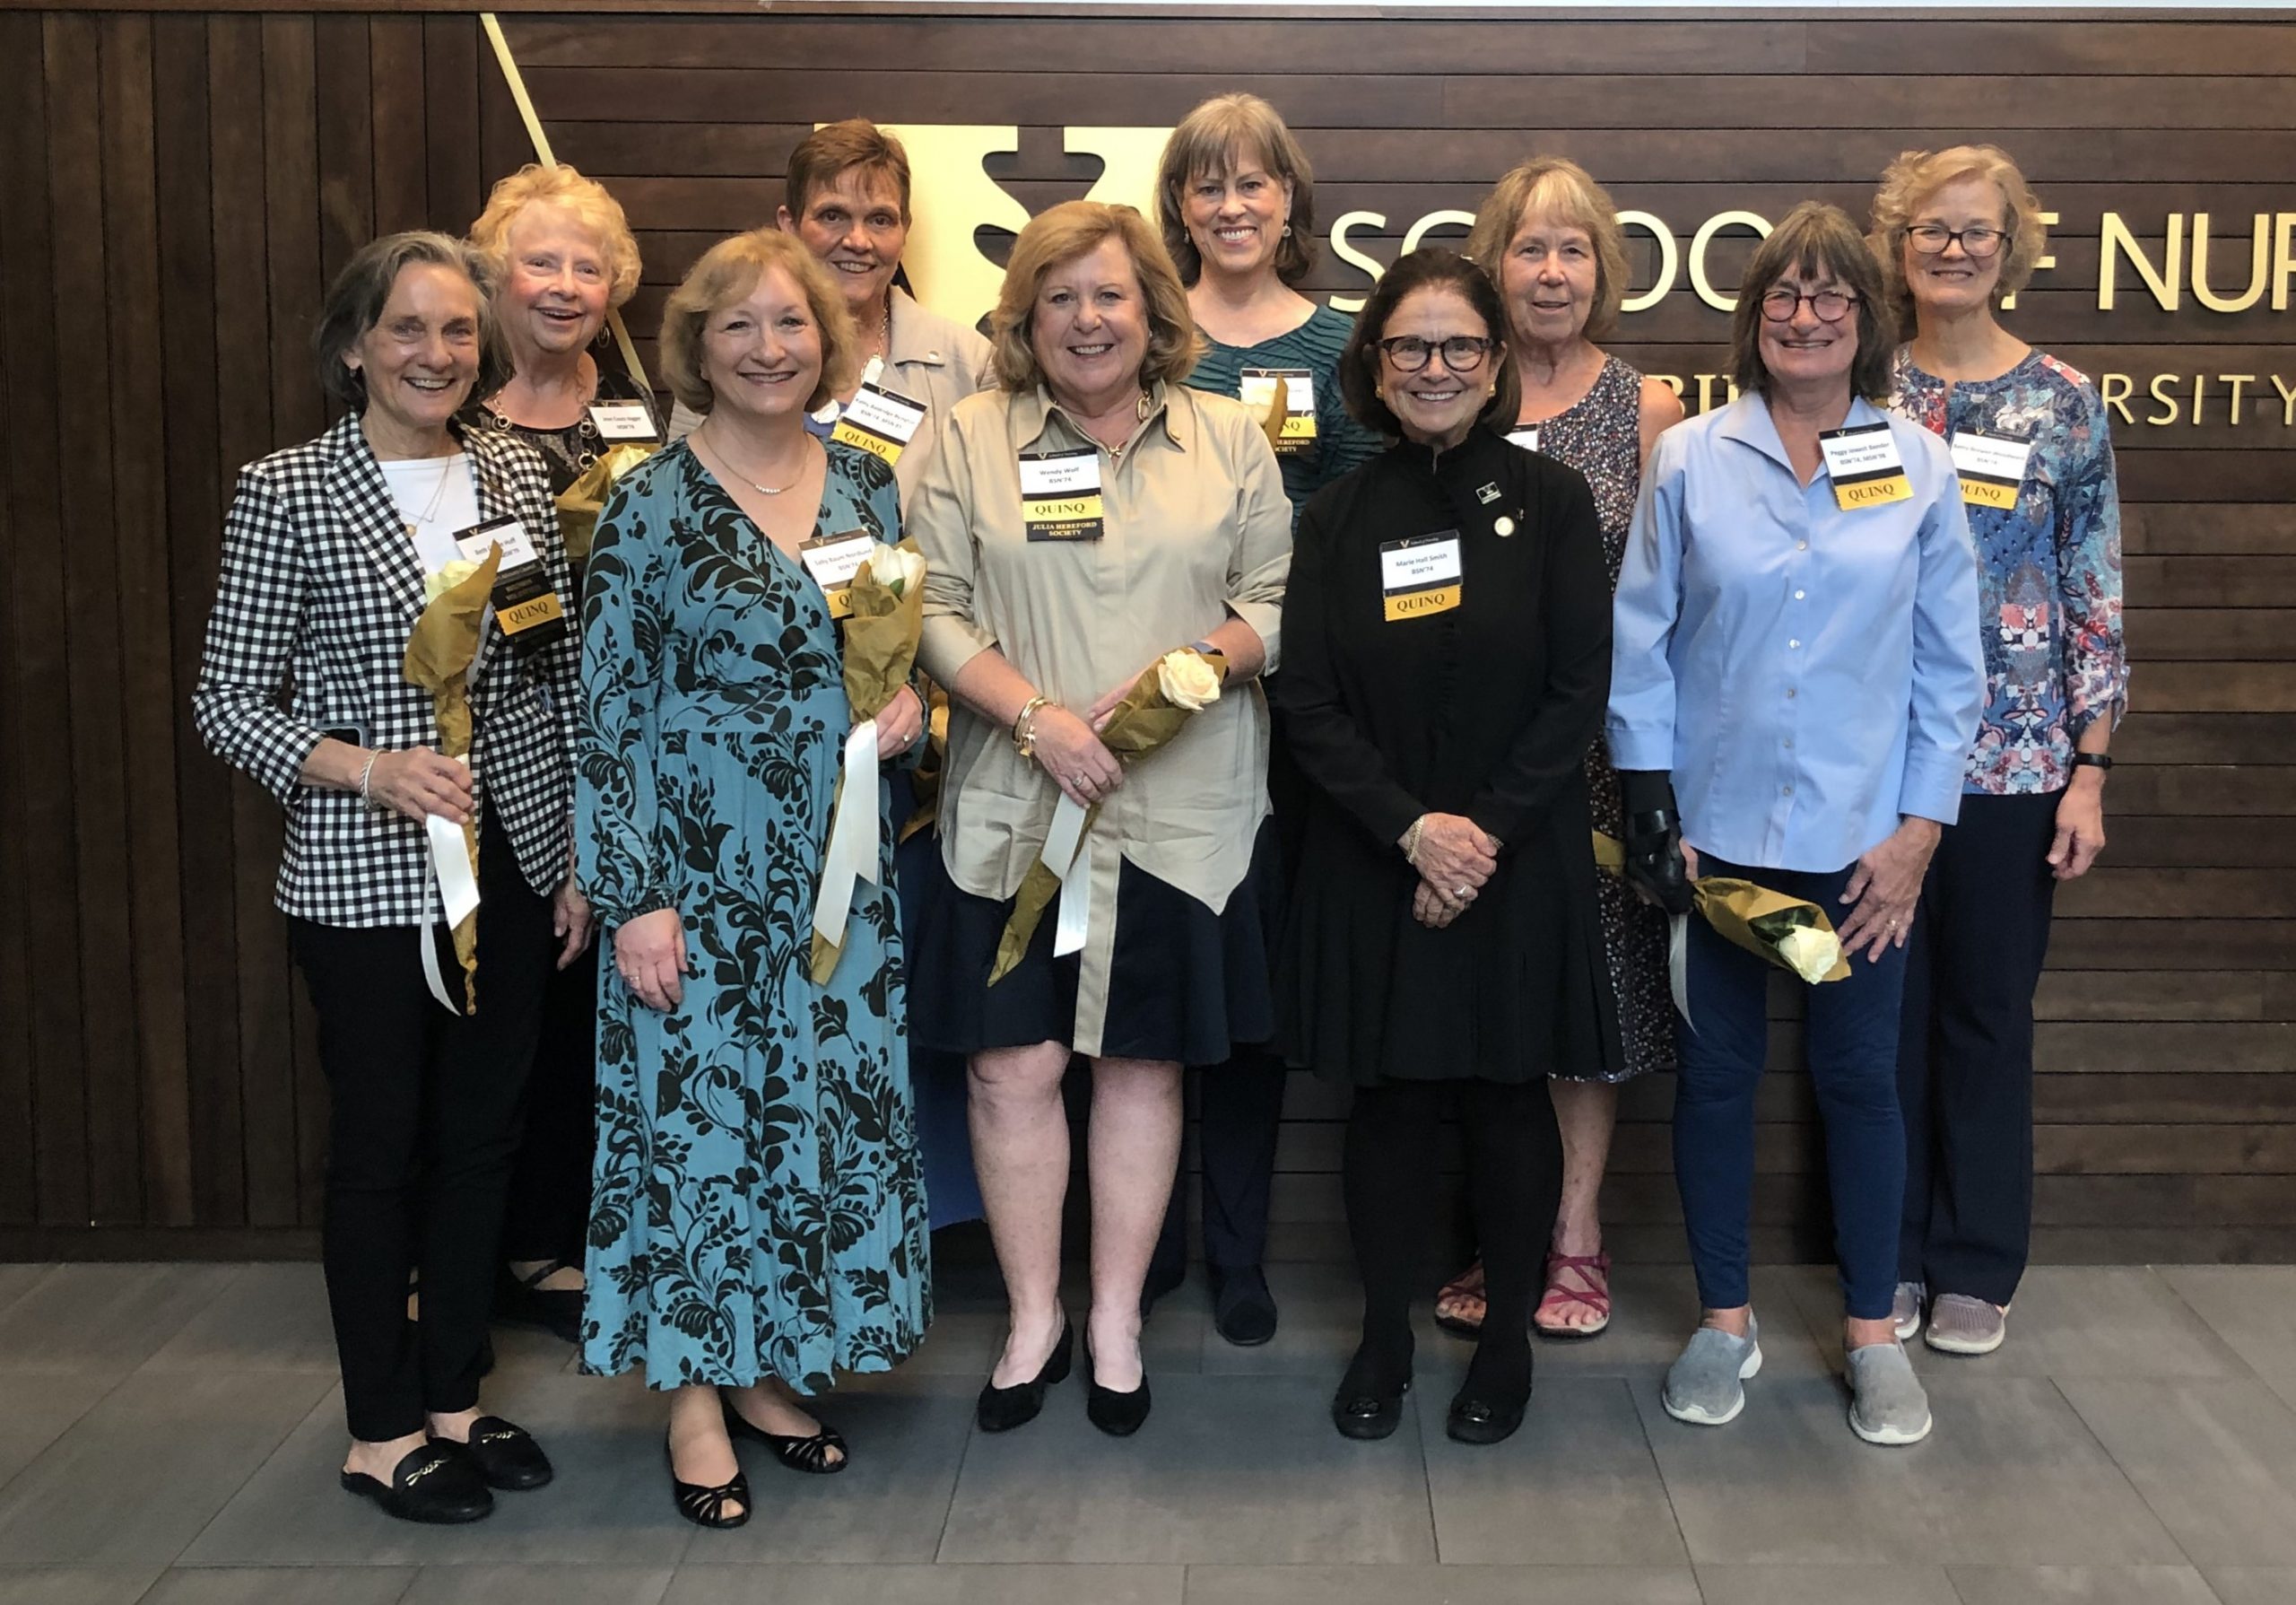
<point x="719" y="452"/>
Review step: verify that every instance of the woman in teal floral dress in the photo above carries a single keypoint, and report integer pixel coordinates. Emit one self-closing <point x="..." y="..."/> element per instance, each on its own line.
<point x="758" y="1222"/>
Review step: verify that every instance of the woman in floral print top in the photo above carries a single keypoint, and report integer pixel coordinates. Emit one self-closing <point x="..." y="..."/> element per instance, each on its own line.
<point x="1957" y="232"/>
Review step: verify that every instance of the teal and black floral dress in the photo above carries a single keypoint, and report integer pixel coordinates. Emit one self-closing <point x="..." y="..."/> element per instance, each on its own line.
<point x="759" y="1208"/>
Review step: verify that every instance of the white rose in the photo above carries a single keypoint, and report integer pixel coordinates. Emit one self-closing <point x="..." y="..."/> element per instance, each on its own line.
<point x="1810" y="952"/>
<point x="1187" y="680"/>
<point x="894" y="569"/>
<point x="450" y="575"/>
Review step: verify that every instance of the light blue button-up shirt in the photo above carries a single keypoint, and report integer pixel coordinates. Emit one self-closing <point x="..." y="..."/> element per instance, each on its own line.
<point x="1808" y="676"/>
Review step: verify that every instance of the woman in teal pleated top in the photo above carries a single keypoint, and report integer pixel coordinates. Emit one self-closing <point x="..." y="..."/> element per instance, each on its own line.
<point x="1235" y="201"/>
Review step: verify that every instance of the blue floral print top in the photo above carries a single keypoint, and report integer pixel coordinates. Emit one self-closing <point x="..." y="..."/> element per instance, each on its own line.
<point x="2048" y="569"/>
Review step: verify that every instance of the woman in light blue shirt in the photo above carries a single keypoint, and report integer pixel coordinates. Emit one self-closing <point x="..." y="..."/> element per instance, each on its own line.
<point x="1795" y="685"/>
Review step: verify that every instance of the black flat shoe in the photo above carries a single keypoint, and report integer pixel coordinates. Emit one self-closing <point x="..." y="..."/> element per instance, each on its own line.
<point x="506" y="1454"/>
<point x="1484" y="1421"/>
<point x="706" y="1506"/>
<point x="1243" y="1311"/>
<point x="1368" y="1416"/>
<point x="809" y="1454"/>
<point x="437" y="1483"/>
<point x="521" y="1301"/>
<point x="1118" y="1415"/>
<point x="1001" y="1410"/>
<point x="1489" y="1405"/>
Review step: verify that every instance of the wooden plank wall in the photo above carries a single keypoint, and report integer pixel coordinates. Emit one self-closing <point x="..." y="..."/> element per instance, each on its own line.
<point x="177" y="184"/>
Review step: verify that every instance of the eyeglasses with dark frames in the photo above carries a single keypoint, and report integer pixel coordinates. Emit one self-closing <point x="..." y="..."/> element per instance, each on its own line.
<point x="1779" y="304"/>
<point x="1931" y="239"/>
<point x="1462" y="354"/>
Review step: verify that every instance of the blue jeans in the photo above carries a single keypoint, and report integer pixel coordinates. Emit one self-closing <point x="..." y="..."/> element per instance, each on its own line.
<point x="1852" y="1046"/>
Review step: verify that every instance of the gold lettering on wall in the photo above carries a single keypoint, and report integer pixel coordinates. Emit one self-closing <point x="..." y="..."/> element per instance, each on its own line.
<point x="1669" y="263"/>
<point x="1128" y="161"/>
<point x="2113" y="389"/>
<point x="1699" y="242"/>
<point x="944" y="160"/>
<point x="2259" y="274"/>
<point x="2118" y="242"/>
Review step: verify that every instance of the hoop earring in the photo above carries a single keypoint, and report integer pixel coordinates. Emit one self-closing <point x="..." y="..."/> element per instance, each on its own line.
<point x="1287" y="230"/>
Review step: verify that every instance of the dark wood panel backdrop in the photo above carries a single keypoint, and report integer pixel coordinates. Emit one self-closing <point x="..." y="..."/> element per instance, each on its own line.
<point x="175" y="186"/>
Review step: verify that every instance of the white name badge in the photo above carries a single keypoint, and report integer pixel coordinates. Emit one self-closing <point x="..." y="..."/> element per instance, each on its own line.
<point x="832" y="560"/>
<point x="1419" y="576"/>
<point x="1060" y="495"/>
<point x="1294" y="431"/>
<point x="1527" y="437"/>
<point x="1864" y="464"/>
<point x="477" y="541"/>
<point x="879" y="422"/>
<point x="1991" y="467"/>
<point x="622" y="421"/>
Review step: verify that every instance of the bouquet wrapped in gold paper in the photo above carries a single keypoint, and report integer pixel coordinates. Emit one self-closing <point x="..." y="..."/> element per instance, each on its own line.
<point x="439" y="654"/>
<point x="1789" y="932"/>
<point x="585" y="498"/>
<point x="887" y="593"/>
<point x="1175" y="687"/>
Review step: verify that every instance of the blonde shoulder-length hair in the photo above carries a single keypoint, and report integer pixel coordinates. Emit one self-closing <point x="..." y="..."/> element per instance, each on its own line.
<point x="728" y="271"/>
<point x="1058" y="237"/>
<point x="1917" y="175"/>
<point x="1559" y="190"/>
<point x="589" y="200"/>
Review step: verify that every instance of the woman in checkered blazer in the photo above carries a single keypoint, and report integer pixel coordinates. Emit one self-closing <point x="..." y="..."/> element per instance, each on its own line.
<point x="326" y="551"/>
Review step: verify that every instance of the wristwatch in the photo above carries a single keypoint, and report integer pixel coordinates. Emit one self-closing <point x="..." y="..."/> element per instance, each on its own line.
<point x="2092" y="761"/>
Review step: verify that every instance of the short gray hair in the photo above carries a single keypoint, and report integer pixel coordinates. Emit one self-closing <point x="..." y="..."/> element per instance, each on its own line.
<point x="356" y="299"/>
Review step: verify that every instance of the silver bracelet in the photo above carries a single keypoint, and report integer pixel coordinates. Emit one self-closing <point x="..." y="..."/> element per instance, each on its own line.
<point x="366" y="772"/>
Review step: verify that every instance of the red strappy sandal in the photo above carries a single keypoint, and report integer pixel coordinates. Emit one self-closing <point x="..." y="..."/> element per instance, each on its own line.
<point x="1594" y="1270"/>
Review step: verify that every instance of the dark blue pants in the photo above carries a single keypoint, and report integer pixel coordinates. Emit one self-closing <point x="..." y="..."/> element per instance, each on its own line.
<point x="1851" y="1041"/>
<point x="1240" y="1110"/>
<point x="1965" y="1054"/>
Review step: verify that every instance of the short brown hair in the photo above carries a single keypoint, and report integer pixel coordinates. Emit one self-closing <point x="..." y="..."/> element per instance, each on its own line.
<point x="1213" y="140"/>
<point x="355" y="303"/>
<point x="1556" y="188"/>
<point x="1058" y="237"/>
<point x="830" y="150"/>
<point x="537" y="185"/>
<point x="1917" y="175"/>
<point x="1428" y="267"/>
<point x="730" y="270"/>
<point x="1816" y="240"/>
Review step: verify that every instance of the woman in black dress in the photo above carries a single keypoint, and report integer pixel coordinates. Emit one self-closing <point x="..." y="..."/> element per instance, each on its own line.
<point x="562" y="254"/>
<point x="1449" y="627"/>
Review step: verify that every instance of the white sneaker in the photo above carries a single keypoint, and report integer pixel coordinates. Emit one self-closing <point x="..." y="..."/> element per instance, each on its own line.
<point x="1887" y="1403"/>
<point x="1706" y="1385"/>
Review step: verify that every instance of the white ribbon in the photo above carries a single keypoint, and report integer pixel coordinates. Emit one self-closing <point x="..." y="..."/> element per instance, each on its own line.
<point x="1678" y="966"/>
<point x="457" y="892"/>
<point x="1069" y="856"/>
<point x="852" y="853"/>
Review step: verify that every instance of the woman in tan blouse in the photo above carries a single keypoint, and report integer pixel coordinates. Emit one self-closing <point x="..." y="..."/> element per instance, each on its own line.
<point x="1039" y="626"/>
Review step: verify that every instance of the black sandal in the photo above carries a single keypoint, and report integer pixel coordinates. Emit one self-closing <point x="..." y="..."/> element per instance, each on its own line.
<point x="523" y="1301"/>
<point x="706" y="1506"/>
<point x="810" y="1455"/>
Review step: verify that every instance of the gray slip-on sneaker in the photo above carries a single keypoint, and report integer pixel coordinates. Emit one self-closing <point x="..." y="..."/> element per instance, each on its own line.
<point x="1905" y="1309"/>
<point x="1887" y="1404"/>
<point x="1960" y="1324"/>
<point x="1705" y="1387"/>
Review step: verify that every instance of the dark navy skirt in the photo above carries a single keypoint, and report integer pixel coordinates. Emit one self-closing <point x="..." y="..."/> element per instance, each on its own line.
<point x="1183" y="983"/>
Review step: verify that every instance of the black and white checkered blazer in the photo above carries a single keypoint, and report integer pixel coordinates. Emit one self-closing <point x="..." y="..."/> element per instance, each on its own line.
<point x="319" y="590"/>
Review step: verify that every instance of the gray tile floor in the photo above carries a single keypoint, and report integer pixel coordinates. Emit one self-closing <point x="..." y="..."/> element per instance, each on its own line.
<point x="169" y="1435"/>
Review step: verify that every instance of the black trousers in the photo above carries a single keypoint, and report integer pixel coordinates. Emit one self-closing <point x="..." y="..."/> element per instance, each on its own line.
<point x="548" y="1215"/>
<point x="1965" y="1054"/>
<point x="1239" y="1109"/>
<point x="422" y="1126"/>
<point x="1514" y="1163"/>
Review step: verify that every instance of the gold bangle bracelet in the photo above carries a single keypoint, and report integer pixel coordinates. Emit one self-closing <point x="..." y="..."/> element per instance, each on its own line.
<point x="1024" y="726"/>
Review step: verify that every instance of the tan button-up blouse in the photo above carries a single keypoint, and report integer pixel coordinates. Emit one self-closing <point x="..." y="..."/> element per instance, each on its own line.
<point x="1195" y="529"/>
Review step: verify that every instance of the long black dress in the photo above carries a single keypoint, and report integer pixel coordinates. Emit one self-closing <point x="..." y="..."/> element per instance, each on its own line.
<point x="1486" y="709"/>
